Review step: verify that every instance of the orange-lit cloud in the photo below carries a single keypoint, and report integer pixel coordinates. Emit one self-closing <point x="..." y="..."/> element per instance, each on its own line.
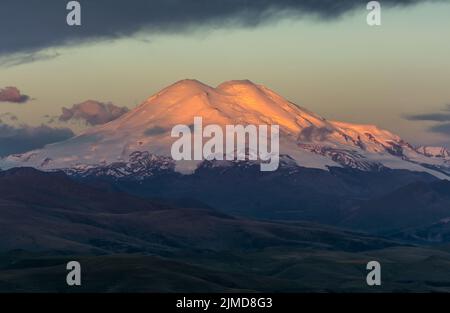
<point x="92" y="112"/>
<point x="12" y="94"/>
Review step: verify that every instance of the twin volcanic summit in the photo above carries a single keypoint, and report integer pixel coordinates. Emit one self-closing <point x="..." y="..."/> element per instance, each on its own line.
<point x="139" y="142"/>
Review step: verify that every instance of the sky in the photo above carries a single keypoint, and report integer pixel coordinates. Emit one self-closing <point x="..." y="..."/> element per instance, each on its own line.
<point x="319" y="54"/>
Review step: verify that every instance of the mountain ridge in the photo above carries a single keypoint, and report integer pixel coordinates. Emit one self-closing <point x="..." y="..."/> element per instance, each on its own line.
<point x="307" y="138"/>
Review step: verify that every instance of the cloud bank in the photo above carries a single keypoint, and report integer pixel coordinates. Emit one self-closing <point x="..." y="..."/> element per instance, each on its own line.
<point x="23" y="138"/>
<point x="92" y="112"/>
<point x="31" y="20"/>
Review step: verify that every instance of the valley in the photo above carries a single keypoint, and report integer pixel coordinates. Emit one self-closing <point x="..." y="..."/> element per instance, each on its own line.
<point x="129" y="243"/>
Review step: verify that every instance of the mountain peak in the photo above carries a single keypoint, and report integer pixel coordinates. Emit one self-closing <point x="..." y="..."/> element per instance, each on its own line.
<point x="196" y="85"/>
<point x="238" y="82"/>
<point x="187" y="85"/>
<point x="239" y="87"/>
<point x="188" y="82"/>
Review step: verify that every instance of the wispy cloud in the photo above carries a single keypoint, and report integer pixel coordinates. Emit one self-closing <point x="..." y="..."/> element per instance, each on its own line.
<point x="8" y="116"/>
<point x="25" y="58"/>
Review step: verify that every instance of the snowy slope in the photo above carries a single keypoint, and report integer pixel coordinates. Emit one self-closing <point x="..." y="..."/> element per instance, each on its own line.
<point x="143" y="134"/>
<point x="435" y="152"/>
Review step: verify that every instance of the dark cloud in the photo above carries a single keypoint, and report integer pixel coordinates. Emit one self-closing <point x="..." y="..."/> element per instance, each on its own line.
<point x="31" y="25"/>
<point x="435" y="117"/>
<point x="441" y="118"/>
<point x="92" y="112"/>
<point x="12" y="94"/>
<point x="23" y="138"/>
<point x="441" y="129"/>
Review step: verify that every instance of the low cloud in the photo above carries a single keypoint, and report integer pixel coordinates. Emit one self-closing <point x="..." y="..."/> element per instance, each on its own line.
<point x="13" y="95"/>
<point x="435" y="117"/>
<point x="441" y="129"/>
<point x="23" y="138"/>
<point x="442" y="116"/>
<point x="442" y="119"/>
<point x="92" y="112"/>
<point x="431" y="116"/>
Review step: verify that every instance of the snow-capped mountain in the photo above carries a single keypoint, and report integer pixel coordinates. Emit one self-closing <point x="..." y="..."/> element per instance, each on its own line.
<point x="139" y="142"/>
